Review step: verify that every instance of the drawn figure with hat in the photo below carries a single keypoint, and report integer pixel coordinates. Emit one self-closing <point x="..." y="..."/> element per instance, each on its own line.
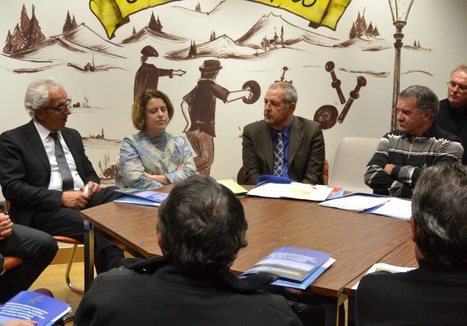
<point x="200" y="106"/>
<point x="147" y="76"/>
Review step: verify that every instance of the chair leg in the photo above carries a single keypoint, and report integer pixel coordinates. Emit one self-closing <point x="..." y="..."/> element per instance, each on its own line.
<point x="68" y="269"/>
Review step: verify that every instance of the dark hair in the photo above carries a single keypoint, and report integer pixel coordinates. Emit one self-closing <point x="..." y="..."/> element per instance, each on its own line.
<point x="439" y="208"/>
<point x="426" y="98"/>
<point x="139" y="106"/>
<point x="203" y="225"/>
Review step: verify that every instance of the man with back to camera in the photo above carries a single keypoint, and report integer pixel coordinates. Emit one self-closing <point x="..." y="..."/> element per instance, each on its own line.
<point x="45" y="173"/>
<point x="436" y="292"/>
<point x="282" y="144"/>
<point x="200" y="229"/>
<point x="402" y="154"/>
<point x="452" y="114"/>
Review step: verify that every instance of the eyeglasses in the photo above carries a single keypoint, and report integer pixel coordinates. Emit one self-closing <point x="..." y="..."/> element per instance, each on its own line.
<point x="62" y="107"/>
<point x="452" y="84"/>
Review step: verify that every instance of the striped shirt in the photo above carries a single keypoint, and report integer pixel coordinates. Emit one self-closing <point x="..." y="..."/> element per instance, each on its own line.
<point x="410" y="155"/>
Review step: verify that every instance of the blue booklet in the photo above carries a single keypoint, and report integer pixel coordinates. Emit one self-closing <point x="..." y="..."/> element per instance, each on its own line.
<point x="296" y="267"/>
<point x="141" y="197"/>
<point x="29" y="305"/>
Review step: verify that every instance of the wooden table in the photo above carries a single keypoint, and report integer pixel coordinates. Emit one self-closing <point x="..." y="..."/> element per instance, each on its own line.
<point x="403" y="255"/>
<point x="355" y="240"/>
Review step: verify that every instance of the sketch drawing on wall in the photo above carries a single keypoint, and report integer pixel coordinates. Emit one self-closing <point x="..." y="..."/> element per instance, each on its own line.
<point x="147" y="76"/>
<point x="253" y="47"/>
<point x="200" y="106"/>
<point x="28" y="44"/>
<point x="327" y="115"/>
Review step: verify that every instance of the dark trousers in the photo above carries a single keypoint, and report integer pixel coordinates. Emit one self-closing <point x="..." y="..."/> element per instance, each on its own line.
<point x="68" y="222"/>
<point x="36" y="248"/>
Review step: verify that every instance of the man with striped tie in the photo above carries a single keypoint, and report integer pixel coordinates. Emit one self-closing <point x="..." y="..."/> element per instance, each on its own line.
<point x="282" y="144"/>
<point x="45" y="173"/>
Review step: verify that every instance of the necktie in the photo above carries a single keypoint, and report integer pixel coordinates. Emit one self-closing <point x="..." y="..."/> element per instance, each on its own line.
<point x="63" y="168"/>
<point x="278" y="155"/>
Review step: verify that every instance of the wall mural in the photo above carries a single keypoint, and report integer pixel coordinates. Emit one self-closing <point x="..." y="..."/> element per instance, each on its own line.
<point x="82" y="50"/>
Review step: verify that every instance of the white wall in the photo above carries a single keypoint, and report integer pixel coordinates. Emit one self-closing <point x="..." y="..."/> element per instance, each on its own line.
<point x="436" y="25"/>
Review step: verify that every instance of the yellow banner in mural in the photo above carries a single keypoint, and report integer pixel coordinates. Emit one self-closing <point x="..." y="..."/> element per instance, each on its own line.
<point x="318" y="12"/>
<point x="114" y="13"/>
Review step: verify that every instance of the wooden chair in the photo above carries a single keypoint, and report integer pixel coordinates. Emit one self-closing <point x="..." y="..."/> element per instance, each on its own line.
<point x="75" y="244"/>
<point x="10" y="262"/>
<point x="326" y="172"/>
<point x="67" y="240"/>
<point x="241" y="176"/>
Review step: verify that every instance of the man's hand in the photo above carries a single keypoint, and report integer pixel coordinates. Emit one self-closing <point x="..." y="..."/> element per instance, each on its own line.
<point x="92" y="188"/>
<point x="6" y="226"/>
<point x="388" y="168"/>
<point x="74" y="199"/>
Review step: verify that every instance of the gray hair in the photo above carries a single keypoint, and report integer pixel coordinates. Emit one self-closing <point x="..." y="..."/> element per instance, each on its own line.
<point x="290" y="93"/>
<point x="37" y="94"/>
<point x="426" y="98"/>
<point x="460" y="68"/>
<point x="440" y="211"/>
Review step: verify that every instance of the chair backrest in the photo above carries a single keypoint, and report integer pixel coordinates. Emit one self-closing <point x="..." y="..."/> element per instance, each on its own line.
<point x="326" y="172"/>
<point x="352" y="156"/>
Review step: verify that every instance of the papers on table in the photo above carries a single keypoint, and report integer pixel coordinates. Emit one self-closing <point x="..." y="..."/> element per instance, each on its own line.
<point x="233" y="186"/>
<point x="294" y="190"/>
<point x="395" y="207"/>
<point x="383" y="267"/>
<point x="373" y="204"/>
<point x="356" y="202"/>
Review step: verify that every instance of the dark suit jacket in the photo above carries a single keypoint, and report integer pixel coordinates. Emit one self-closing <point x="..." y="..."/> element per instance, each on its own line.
<point x="305" y="156"/>
<point x="164" y="295"/>
<point x="25" y="170"/>
<point x="430" y="295"/>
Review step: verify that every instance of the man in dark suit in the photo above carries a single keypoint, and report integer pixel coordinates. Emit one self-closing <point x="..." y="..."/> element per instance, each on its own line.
<point x="32" y="176"/>
<point x="34" y="247"/>
<point x="452" y="115"/>
<point x="200" y="229"/>
<point x="436" y="292"/>
<point x="302" y="140"/>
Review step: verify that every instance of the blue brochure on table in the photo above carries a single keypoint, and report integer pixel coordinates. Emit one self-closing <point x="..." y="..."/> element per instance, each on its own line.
<point x="141" y="197"/>
<point x="29" y="305"/>
<point x="296" y="267"/>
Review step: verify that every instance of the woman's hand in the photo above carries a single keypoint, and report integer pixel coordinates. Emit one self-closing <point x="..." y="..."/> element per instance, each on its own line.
<point x="162" y="179"/>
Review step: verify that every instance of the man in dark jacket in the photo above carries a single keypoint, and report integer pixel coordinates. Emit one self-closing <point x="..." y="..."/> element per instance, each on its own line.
<point x="46" y="175"/>
<point x="201" y="228"/>
<point x="452" y="114"/>
<point x="436" y="292"/>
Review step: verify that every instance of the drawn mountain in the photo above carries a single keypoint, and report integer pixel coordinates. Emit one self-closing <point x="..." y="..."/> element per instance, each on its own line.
<point x="71" y="46"/>
<point x="84" y="37"/>
<point x="147" y="34"/>
<point x="365" y="36"/>
<point x="277" y="30"/>
<point x="366" y="43"/>
<point x="221" y="47"/>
